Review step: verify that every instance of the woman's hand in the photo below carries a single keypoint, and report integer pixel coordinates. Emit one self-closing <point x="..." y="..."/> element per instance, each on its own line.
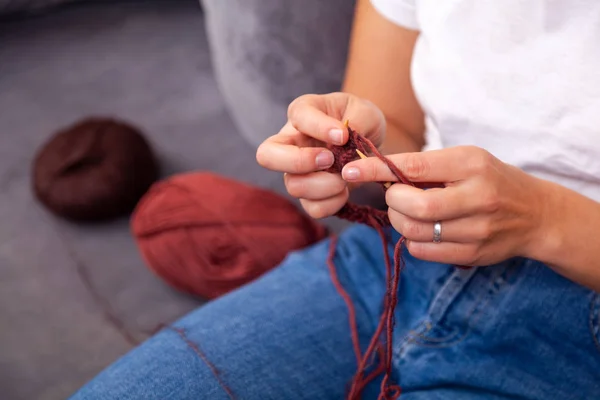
<point x="489" y="211"/>
<point x="299" y="149"/>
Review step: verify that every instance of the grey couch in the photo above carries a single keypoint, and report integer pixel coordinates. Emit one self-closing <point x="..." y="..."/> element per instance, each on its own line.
<point x="206" y="84"/>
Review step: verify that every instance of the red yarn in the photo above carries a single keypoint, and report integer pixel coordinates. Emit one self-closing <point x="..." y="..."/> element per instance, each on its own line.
<point x="207" y="235"/>
<point x="377" y="219"/>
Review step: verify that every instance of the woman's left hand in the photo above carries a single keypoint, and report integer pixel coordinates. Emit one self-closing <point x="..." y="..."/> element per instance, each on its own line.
<point x="489" y="211"/>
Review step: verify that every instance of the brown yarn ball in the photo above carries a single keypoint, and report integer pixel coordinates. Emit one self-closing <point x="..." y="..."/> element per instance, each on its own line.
<point x="206" y="234"/>
<point x="93" y="170"/>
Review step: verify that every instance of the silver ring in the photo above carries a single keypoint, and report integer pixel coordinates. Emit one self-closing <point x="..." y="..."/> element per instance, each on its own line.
<point x="437" y="232"/>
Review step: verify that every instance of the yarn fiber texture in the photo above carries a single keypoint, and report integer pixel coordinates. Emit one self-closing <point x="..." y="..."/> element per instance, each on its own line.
<point x="93" y="170"/>
<point x="207" y="234"/>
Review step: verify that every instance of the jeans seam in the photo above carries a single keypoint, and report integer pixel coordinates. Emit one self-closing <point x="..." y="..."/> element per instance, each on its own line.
<point x="426" y="324"/>
<point x="445" y="342"/>
<point x="202" y="358"/>
<point x="593" y="319"/>
<point x="430" y="325"/>
<point x="479" y="305"/>
<point x="442" y="301"/>
<point x="406" y="338"/>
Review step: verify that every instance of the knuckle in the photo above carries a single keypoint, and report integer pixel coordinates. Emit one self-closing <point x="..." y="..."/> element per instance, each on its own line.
<point x="295" y="187"/>
<point x="296" y="106"/>
<point x="372" y="171"/>
<point x="389" y="197"/>
<point x="490" y="200"/>
<point x="392" y="198"/>
<point x="416" y="250"/>
<point x="315" y="209"/>
<point x="396" y="220"/>
<point x="415" y="167"/>
<point x="411" y="229"/>
<point x="392" y="217"/>
<point x="292" y="110"/>
<point x="337" y="186"/>
<point x="486" y="231"/>
<point x="427" y="209"/>
<point x="468" y="256"/>
<point x="366" y="103"/>
<point x="299" y="161"/>
<point x="481" y="160"/>
<point x="335" y="103"/>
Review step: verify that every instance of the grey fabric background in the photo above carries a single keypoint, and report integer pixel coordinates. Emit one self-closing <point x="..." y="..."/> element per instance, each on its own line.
<point x="268" y="52"/>
<point x="11" y="6"/>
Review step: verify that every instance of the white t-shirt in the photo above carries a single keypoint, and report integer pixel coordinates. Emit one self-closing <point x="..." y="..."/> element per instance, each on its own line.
<point x="520" y="78"/>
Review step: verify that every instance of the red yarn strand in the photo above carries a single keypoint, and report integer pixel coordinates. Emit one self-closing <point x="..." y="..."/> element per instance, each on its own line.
<point x="379" y="220"/>
<point x="346" y="297"/>
<point x="359" y="384"/>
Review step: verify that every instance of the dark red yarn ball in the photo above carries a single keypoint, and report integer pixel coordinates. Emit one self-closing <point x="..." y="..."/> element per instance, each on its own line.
<point x="95" y="169"/>
<point x="206" y="234"/>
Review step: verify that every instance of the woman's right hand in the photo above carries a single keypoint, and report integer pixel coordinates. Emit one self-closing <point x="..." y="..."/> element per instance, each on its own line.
<point x="299" y="149"/>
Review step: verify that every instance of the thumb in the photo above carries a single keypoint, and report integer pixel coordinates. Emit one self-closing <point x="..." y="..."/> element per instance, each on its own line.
<point x="322" y="116"/>
<point x="313" y="115"/>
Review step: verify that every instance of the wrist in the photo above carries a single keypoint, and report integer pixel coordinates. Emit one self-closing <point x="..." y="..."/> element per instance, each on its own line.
<point x="546" y="240"/>
<point x="565" y="238"/>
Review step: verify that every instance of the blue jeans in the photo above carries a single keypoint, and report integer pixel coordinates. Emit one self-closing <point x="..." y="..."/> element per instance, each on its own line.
<point x="516" y="330"/>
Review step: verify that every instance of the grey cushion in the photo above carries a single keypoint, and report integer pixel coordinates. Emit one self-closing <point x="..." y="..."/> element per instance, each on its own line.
<point x="267" y="52"/>
<point x="10" y="6"/>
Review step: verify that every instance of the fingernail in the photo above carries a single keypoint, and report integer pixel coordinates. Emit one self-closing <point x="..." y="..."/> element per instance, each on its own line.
<point x="336" y="136"/>
<point x="351" y="173"/>
<point x="324" y="159"/>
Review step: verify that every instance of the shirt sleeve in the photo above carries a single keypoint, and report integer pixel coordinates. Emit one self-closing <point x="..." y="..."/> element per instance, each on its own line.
<point x="401" y="12"/>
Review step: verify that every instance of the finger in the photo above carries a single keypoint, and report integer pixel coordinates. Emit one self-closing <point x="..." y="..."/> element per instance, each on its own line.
<point x="462" y="230"/>
<point x="326" y="207"/>
<point x="289" y="158"/>
<point x="445" y="165"/>
<point x="321" y="116"/>
<point x="463" y="254"/>
<point x="435" y="204"/>
<point x="308" y="114"/>
<point x="315" y="185"/>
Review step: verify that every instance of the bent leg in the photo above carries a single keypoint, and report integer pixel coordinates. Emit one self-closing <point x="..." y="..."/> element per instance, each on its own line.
<point x="515" y="330"/>
<point x="284" y="336"/>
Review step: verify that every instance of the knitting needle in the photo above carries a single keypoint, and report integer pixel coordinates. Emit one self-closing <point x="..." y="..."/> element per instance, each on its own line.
<point x="361" y="155"/>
